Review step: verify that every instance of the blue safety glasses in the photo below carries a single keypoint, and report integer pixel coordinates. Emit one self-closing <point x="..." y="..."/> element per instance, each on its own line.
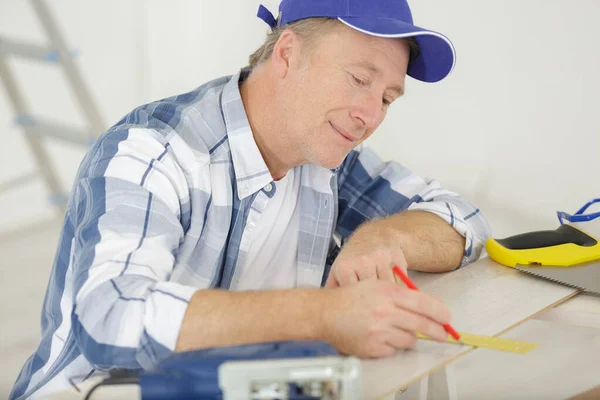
<point x="579" y="216"/>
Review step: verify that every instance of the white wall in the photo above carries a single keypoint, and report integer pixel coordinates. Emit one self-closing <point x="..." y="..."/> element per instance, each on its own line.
<point x="514" y="128"/>
<point x="111" y="47"/>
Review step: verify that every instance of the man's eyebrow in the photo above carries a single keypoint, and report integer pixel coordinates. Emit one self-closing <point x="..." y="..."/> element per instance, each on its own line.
<point x="373" y="68"/>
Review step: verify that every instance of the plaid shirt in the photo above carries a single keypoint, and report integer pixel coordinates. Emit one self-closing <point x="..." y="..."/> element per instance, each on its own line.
<point x="160" y="209"/>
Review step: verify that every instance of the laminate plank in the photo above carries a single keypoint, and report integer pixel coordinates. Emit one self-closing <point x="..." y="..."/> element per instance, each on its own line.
<point x="592" y="394"/>
<point x="565" y="364"/>
<point x="485" y="298"/>
<point x="582" y="310"/>
<point x="582" y="302"/>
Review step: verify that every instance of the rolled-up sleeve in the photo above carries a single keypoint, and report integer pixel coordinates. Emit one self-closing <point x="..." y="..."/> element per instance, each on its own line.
<point x="127" y="220"/>
<point x="369" y="188"/>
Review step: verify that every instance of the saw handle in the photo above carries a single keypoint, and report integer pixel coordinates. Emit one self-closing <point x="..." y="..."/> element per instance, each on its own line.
<point x="534" y="240"/>
<point x="564" y="246"/>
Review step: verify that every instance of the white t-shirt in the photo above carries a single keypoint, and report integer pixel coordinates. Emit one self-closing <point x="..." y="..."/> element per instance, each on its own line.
<point x="271" y="261"/>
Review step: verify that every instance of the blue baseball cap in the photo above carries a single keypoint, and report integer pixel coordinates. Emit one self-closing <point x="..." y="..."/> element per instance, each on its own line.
<point x="382" y="18"/>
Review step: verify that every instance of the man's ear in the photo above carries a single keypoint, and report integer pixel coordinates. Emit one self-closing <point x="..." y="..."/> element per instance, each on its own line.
<point x="285" y="49"/>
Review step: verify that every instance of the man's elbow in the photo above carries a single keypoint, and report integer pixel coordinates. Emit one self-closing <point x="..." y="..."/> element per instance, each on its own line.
<point x="455" y="248"/>
<point x="102" y="355"/>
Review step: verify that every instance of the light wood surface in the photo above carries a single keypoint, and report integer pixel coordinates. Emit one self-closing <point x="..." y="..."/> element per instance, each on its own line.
<point x="582" y="302"/>
<point x="485" y="299"/>
<point x="592" y="394"/>
<point x="581" y="310"/>
<point x="567" y="316"/>
<point x="565" y="364"/>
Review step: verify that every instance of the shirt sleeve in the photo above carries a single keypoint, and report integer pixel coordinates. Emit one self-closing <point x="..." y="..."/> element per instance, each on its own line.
<point x="370" y="188"/>
<point x="126" y="213"/>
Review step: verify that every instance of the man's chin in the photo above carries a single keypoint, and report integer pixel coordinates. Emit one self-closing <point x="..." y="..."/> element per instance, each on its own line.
<point x="332" y="162"/>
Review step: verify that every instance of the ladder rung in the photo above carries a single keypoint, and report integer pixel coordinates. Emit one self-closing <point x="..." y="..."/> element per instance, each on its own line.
<point x="19" y="181"/>
<point x="27" y="50"/>
<point x="58" y="198"/>
<point x="55" y="130"/>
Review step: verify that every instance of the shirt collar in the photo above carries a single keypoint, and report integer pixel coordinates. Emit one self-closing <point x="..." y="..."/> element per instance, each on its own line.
<point x="251" y="171"/>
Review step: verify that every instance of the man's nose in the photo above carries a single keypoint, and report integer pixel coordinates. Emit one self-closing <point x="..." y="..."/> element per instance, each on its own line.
<point x="369" y="112"/>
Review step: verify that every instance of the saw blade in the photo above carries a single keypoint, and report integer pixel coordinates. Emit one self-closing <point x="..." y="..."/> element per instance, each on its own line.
<point x="584" y="276"/>
<point x="490" y="342"/>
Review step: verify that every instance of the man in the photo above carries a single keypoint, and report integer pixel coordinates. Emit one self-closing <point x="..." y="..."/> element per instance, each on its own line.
<point x="248" y="184"/>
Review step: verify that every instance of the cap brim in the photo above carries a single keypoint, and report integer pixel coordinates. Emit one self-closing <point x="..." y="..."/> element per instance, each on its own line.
<point x="437" y="55"/>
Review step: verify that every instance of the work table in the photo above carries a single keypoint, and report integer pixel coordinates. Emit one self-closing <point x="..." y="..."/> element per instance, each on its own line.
<point x="485" y="298"/>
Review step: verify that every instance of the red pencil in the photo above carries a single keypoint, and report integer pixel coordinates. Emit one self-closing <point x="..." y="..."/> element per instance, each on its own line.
<point x="398" y="271"/>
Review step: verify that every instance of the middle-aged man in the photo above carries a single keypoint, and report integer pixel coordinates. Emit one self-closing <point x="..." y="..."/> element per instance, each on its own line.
<point x="214" y="217"/>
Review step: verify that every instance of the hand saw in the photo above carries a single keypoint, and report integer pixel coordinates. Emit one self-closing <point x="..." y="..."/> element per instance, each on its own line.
<point x="566" y="255"/>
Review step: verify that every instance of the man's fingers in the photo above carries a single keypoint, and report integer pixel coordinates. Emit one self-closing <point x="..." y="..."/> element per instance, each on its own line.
<point x="366" y="272"/>
<point x="422" y="303"/>
<point x="383" y="349"/>
<point x="399" y="259"/>
<point x="401" y="339"/>
<point x="385" y="273"/>
<point x="331" y="282"/>
<point x="341" y="276"/>
<point x="413" y="323"/>
<point x="347" y="276"/>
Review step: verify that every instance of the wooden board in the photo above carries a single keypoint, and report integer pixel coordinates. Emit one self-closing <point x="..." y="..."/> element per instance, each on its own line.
<point x="485" y="298"/>
<point x="583" y="302"/>
<point x="582" y="310"/>
<point x="592" y="394"/>
<point x="565" y="365"/>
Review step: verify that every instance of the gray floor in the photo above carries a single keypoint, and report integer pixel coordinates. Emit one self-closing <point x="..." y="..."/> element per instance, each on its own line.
<point x="25" y="264"/>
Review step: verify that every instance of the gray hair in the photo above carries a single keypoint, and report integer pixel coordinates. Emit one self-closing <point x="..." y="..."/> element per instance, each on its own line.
<point x="311" y="30"/>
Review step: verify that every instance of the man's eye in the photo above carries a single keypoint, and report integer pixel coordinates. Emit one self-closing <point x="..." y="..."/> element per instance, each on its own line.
<point x="359" y="81"/>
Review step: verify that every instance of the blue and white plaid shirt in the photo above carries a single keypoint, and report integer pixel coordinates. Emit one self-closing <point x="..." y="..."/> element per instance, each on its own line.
<point x="159" y="210"/>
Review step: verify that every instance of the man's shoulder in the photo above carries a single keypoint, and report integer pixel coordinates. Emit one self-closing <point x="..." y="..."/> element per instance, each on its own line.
<point x="194" y="115"/>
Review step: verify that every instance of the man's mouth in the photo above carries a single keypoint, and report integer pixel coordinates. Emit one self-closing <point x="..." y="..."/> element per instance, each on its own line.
<point x="343" y="133"/>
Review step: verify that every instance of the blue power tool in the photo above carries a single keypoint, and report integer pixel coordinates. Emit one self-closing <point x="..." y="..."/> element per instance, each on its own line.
<point x="293" y="370"/>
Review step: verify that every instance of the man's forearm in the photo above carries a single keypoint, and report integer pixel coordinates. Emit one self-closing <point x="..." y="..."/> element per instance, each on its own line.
<point x="428" y="242"/>
<point x="222" y="318"/>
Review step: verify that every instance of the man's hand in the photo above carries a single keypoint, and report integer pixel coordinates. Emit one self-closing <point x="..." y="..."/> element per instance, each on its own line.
<point x="362" y="312"/>
<point x="371" y="318"/>
<point x="374" y="318"/>
<point x="371" y="252"/>
<point x="416" y="240"/>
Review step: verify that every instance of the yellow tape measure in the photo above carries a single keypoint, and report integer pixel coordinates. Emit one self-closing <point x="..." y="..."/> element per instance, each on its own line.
<point x="489" y="342"/>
